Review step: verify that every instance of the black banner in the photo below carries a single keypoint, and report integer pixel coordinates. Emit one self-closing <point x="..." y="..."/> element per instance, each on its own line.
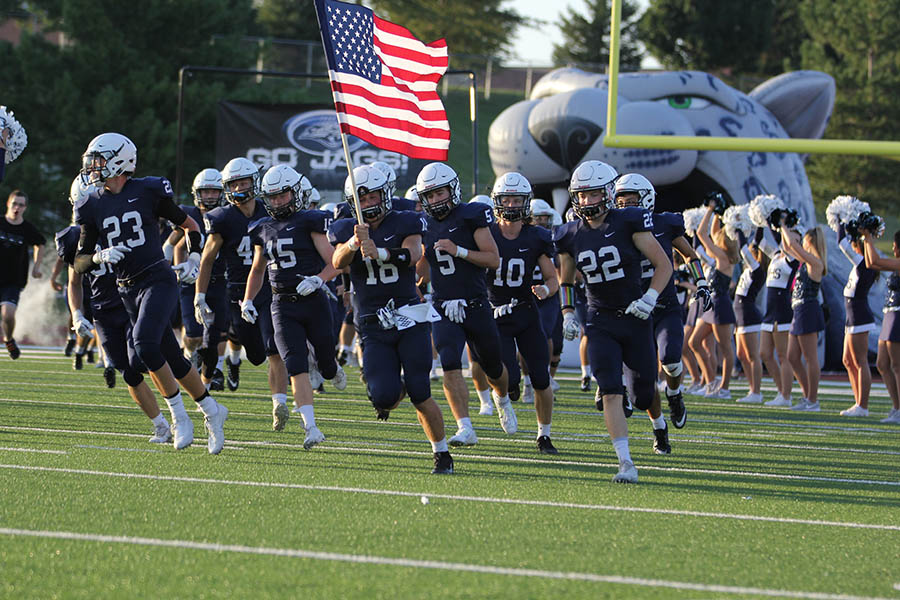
<point x="304" y="136"/>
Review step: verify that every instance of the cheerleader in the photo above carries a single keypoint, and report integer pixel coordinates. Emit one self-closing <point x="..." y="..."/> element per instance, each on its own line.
<point x="748" y="317"/>
<point x="859" y="322"/>
<point x="808" y="319"/>
<point x="776" y="322"/>
<point x="888" y="361"/>
<point x="720" y="319"/>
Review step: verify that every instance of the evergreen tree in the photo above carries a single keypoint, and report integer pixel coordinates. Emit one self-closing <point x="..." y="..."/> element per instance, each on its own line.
<point x="855" y="41"/>
<point x="586" y="36"/>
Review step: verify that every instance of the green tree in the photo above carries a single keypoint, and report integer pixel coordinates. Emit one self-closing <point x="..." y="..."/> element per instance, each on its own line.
<point x="479" y="28"/>
<point x="118" y="71"/>
<point x="288" y="19"/>
<point x="586" y="36"/>
<point x="787" y="34"/>
<point x="707" y="35"/>
<point x="855" y="41"/>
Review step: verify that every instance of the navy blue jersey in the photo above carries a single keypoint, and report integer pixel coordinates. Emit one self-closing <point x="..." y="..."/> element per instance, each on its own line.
<point x="193" y="212"/>
<point x="288" y="245"/>
<point x="237" y="250"/>
<point x="345" y="210"/>
<point x="131" y="218"/>
<point x="374" y="282"/>
<point x="102" y="280"/>
<point x="453" y="277"/>
<point x="518" y="258"/>
<point x="607" y="257"/>
<point x="667" y="226"/>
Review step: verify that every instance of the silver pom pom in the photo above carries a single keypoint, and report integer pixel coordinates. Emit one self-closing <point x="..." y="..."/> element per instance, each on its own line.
<point x="18" y="139"/>
<point x="761" y="207"/>
<point x="737" y="218"/>
<point x="692" y="218"/>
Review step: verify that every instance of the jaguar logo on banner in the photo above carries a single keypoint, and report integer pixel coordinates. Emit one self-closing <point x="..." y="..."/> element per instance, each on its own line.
<point x="304" y="136"/>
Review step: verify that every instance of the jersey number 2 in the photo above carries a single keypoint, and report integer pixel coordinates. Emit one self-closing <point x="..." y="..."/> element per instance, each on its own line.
<point x="609" y="264"/>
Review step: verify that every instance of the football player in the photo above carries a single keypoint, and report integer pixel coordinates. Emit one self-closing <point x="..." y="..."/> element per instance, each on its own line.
<point x="290" y="244"/>
<point x="124" y="221"/>
<point x="226" y="230"/>
<point x="523" y="248"/>
<point x="635" y="190"/>
<point x="607" y="245"/>
<point x="382" y="253"/>
<point x="458" y="248"/>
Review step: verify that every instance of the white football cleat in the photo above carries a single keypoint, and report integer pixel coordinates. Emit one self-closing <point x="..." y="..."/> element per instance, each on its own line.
<point x="508" y="420"/>
<point x="339" y="381"/>
<point x="528" y="395"/>
<point x="487" y="408"/>
<point x="554" y="386"/>
<point x="280" y="416"/>
<point x="750" y="398"/>
<point x="315" y="377"/>
<point x="892" y="418"/>
<point x="215" y="425"/>
<point x="464" y="436"/>
<point x="183" y="432"/>
<point x="313" y="437"/>
<point x="627" y="473"/>
<point x="161" y="435"/>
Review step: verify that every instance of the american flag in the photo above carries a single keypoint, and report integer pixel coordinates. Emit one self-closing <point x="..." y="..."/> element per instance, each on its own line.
<point x="384" y="81"/>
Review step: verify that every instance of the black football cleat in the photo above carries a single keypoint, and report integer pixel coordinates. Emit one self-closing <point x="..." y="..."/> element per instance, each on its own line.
<point x="545" y="446"/>
<point x="217" y="381"/>
<point x="109" y="374"/>
<point x="627" y="406"/>
<point x="234" y="374"/>
<point x="382" y="415"/>
<point x="661" y="443"/>
<point x="70" y="345"/>
<point x="90" y="357"/>
<point x="443" y="464"/>
<point x="342" y="357"/>
<point x="677" y="411"/>
<point x="13" y="349"/>
<point x="78" y="362"/>
<point x="598" y="400"/>
<point x="586" y="383"/>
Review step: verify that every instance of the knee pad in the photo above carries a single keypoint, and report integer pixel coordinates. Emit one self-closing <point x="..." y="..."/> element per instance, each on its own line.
<point x="150" y="355"/>
<point x="673" y="369"/>
<point x="382" y="401"/>
<point x="181" y="367"/>
<point x="132" y="378"/>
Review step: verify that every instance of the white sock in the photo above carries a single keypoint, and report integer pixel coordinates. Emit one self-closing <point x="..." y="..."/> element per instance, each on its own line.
<point x="440" y="446"/>
<point x="621" y="447"/>
<point x="659" y="422"/>
<point x="347" y="349"/>
<point x="221" y="362"/>
<point x="309" y="416"/>
<point x="208" y="406"/>
<point x="543" y="429"/>
<point x="584" y="370"/>
<point x="79" y="349"/>
<point x="176" y="406"/>
<point x="464" y="423"/>
<point x="675" y="392"/>
<point x="504" y="400"/>
<point x="435" y="363"/>
<point x="484" y="396"/>
<point x="278" y="399"/>
<point x="160" y="421"/>
<point x="233" y="354"/>
<point x="526" y="380"/>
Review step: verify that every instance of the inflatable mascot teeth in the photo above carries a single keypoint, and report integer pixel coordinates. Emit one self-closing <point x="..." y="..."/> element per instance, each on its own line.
<point x="562" y="124"/>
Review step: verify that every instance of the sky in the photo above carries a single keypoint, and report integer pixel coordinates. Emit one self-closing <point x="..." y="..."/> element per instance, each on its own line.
<point x="535" y="45"/>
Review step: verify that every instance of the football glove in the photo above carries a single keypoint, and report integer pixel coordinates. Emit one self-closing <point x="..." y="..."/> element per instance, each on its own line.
<point x="505" y="309"/>
<point x="571" y="326"/>
<point x="188" y="271"/>
<point x="642" y="307"/>
<point x="248" y="311"/>
<point x="202" y="312"/>
<point x="309" y="285"/>
<point x="111" y="255"/>
<point x="81" y="325"/>
<point x="455" y="310"/>
<point x="703" y="295"/>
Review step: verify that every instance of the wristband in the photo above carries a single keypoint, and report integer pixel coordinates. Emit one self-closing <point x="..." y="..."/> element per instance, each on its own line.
<point x="461" y="252"/>
<point x="168" y="251"/>
<point x="194" y="242"/>
<point x="696" y="270"/>
<point x="546" y="289"/>
<point x="383" y="254"/>
<point x="400" y="257"/>
<point x="567" y="296"/>
<point x="353" y="243"/>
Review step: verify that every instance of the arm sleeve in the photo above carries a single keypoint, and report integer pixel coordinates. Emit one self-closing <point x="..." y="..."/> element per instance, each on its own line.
<point x="170" y="211"/>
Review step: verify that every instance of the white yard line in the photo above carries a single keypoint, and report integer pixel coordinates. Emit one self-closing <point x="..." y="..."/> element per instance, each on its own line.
<point x="428" y="564"/>
<point x="37" y="450"/>
<point x="483" y="499"/>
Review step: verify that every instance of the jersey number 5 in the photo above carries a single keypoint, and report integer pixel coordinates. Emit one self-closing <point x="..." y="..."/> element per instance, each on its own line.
<point x="609" y="264"/>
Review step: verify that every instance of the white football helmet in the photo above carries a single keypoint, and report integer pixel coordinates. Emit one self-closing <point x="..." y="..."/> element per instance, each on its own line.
<point x="541" y="208"/>
<point x="108" y="155"/>
<point x="391" y="175"/>
<point x="593" y="175"/>
<point x="314" y="197"/>
<point x="329" y="207"/>
<point x="483" y="199"/>
<point x="280" y="179"/>
<point x="512" y="184"/>
<point x="434" y="176"/>
<point x="208" y="179"/>
<point x="369" y="178"/>
<point x="79" y="191"/>
<point x="412" y="194"/>
<point x="240" y="168"/>
<point x="637" y="184"/>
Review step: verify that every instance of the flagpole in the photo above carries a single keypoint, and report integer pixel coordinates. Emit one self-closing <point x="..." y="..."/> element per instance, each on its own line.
<point x="356" y="206"/>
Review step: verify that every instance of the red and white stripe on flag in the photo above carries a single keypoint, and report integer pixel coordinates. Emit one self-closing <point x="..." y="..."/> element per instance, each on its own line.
<point x="384" y="81"/>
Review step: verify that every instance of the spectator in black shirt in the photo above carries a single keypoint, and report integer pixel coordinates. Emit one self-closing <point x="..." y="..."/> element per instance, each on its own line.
<point x="17" y="236"/>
